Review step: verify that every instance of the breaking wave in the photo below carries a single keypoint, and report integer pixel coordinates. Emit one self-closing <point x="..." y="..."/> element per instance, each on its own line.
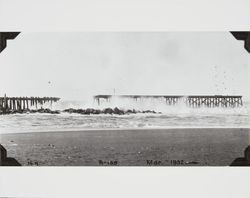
<point x="177" y="116"/>
<point x="158" y="105"/>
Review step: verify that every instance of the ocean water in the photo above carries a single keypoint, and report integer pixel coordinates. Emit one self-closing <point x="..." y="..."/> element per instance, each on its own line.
<point x="178" y="116"/>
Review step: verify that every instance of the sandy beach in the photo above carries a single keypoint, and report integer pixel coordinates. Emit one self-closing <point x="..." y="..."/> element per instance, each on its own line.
<point x="140" y="147"/>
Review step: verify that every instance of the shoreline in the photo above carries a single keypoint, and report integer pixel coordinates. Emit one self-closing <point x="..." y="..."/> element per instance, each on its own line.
<point x="121" y="129"/>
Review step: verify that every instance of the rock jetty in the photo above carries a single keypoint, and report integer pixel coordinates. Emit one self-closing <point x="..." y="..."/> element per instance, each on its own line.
<point x="23" y="111"/>
<point x="110" y="111"/>
<point x="88" y="111"/>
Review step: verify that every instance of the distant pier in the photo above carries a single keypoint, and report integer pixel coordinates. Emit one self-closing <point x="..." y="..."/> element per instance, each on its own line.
<point x="24" y="103"/>
<point x="192" y="101"/>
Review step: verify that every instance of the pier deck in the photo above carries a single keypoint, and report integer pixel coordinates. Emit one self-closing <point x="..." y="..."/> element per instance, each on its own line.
<point x="23" y="103"/>
<point x="192" y="100"/>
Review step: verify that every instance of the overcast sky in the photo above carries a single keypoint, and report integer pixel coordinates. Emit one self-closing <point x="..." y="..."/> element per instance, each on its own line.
<point x="78" y="65"/>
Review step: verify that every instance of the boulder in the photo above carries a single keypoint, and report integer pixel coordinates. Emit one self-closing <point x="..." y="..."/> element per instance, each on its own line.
<point x="108" y="111"/>
<point x="70" y="110"/>
<point x="118" y="111"/>
<point x="55" y="112"/>
<point x="89" y="111"/>
<point x="97" y="111"/>
<point x="81" y="111"/>
<point x="129" y="111"/>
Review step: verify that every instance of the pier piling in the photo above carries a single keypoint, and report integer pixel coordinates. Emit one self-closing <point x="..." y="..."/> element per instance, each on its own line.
<point x="23" y="103"/>
<point x="192" y="101"/>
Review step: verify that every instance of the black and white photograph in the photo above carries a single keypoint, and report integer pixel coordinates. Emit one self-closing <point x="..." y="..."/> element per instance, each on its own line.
<point x="125" y="98"/>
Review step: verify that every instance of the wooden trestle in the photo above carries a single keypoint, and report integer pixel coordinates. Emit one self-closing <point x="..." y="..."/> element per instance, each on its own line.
<point x="24" y="103"/>
<point x="192" y="101"/>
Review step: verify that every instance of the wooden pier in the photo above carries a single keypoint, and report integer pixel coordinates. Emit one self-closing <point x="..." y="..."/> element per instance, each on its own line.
<point x="192" y="101"/>
<point x="24" y="103"/>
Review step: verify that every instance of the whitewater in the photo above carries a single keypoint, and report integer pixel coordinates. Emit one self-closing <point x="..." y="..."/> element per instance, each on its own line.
<point x="171" y="116"/>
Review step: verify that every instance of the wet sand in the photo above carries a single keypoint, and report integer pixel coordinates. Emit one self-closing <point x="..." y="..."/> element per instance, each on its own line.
<point x="140" y="147"/>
